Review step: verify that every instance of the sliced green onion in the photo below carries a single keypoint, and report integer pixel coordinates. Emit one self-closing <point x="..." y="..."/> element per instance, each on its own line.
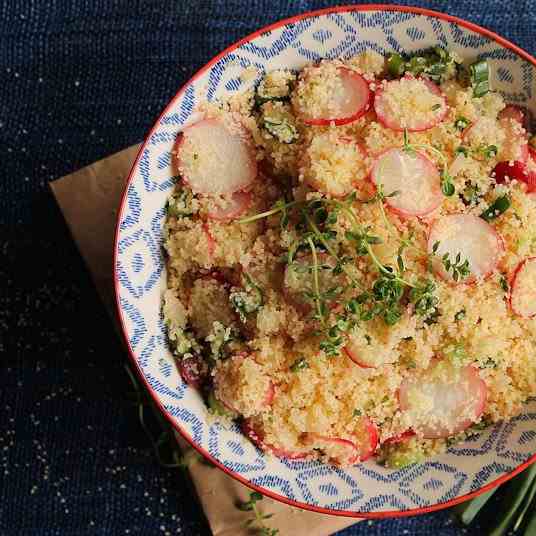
<point x="498" y="207"/>
<point x="462" y="150"/>
<point x="299" y="364"/>
<point x="461" y="123"/>
<point x="284" y="131"/>
<point x="479" y="72"/>
<point x="446" y="185"/>
<point x="490" y="151"/>
<point x="416" y="65"/>
<point x="396" y="65"/>
<point x="217" y="407"/>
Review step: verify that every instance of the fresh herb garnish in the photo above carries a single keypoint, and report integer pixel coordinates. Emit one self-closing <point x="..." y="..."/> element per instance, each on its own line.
<point x="300" y="364"/>
<point x="179" y="204"/>
<point x="462" y="150"/>
<point x="259" y="519"/>
<point x="460" y="270"/>
<point x="471" y="194"/>
<point x="498" y="207"/>
<point x="249" y="299"/>
<point x="461" y="123"/>
<point x="504" y="283"/>
<point x="479" y="76"/>
<point x="435" y="63"/>
<point x="424" y="299"/>
<point x="460" y="315"/>
<point x="281" y="128"/>
<point x="447" y="186"/>
<point x="490" y="151"/>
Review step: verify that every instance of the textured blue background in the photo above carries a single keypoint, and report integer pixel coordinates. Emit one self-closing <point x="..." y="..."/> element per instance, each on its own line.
<point x="80" y="80"/>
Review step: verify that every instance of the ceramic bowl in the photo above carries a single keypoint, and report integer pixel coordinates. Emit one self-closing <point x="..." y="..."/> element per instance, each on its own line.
<point x="365" y="490"/>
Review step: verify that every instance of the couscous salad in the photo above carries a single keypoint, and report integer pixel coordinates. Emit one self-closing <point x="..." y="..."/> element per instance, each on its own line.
<point x="351" y="257"/>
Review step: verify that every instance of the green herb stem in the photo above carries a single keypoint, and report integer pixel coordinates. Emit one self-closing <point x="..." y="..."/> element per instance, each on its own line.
<point x="315" y="281"/>
<point x="268" y="213"/>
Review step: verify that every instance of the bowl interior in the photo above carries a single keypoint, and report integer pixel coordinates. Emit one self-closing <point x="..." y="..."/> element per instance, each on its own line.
<point x="140" y="272"/>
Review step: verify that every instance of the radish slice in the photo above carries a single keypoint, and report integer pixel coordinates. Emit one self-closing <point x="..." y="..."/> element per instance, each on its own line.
<point x="472" y="238"/>
<point x="513" y="112"/>
<point x="369" y="361"/>
<point x="367" y="439"/>
<point x="211" y="243"/>
<point x="230" y="208"/>
<point x="515" y="145"/>
<point x="413" y="176"/>
<point x="351" y="99"/>
<point x="354" y="355"/>
<point x="504" y="172"/>
<point x="523" y="289"/>
<point x="443" y="400"/>
<point x="256" y="436"/>
<point x="414" y="104"/>
<point x="339" y="451"/>
<point x="400" y="438"/>
<point x="194" y="371"/>
<point x="215" y="159"/>
<point x="270" y="394"/>
<point x="298" y="279"/>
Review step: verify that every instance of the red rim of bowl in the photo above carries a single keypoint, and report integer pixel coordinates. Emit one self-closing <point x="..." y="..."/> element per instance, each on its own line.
<point x="345" y="513"/>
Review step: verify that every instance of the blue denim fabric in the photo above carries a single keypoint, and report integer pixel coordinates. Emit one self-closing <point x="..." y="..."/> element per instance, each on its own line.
<point x="81" y="79"/>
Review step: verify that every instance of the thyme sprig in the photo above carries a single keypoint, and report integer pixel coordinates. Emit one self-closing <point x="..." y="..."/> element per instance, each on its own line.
<point x="447" y="186"/>
<point x="260" y="518"/>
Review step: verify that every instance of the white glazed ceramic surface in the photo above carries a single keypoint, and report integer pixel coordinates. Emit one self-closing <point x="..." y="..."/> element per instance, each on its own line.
<point x="141" y="279"/>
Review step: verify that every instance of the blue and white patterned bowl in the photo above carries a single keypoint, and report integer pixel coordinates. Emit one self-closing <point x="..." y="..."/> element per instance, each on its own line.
<point x="366" y="490"/>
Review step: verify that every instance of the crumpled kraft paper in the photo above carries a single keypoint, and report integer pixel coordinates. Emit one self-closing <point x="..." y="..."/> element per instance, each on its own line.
<point x="89" y="200"/>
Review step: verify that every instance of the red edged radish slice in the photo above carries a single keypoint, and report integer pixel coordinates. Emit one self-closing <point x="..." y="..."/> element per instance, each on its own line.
<point x="443" y="400"/>
<point x="515" y="145"/>
<point x="339" y="451"/>
<point x="472" y="238"/>
<point x="523" y="289"/>
<point x="366" y="439"/>
<point x="413" y="176"/>
<point x="256" y="436"/>
<point x="214" y="158"/>
<point x="366" y="359"/>
<point x="400" y="438"/>
<point x="194" y="371"/>
<point x="299" y="277"/>
<point x="230" y="207"/>
<point x="287" y="454"/>
<point x="349" y="100"/>
<point x="512" y="112"/>
<point x="504" y="172"/>
<point x="253" y="434"/>
<point x="211" y="242"/>
<point x="270" y="394"/>
<point x="351" y="351"/>
<point x="415" y="104"/>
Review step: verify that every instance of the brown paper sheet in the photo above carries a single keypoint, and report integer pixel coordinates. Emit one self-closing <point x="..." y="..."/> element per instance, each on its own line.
<point x="89" y="200"/>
